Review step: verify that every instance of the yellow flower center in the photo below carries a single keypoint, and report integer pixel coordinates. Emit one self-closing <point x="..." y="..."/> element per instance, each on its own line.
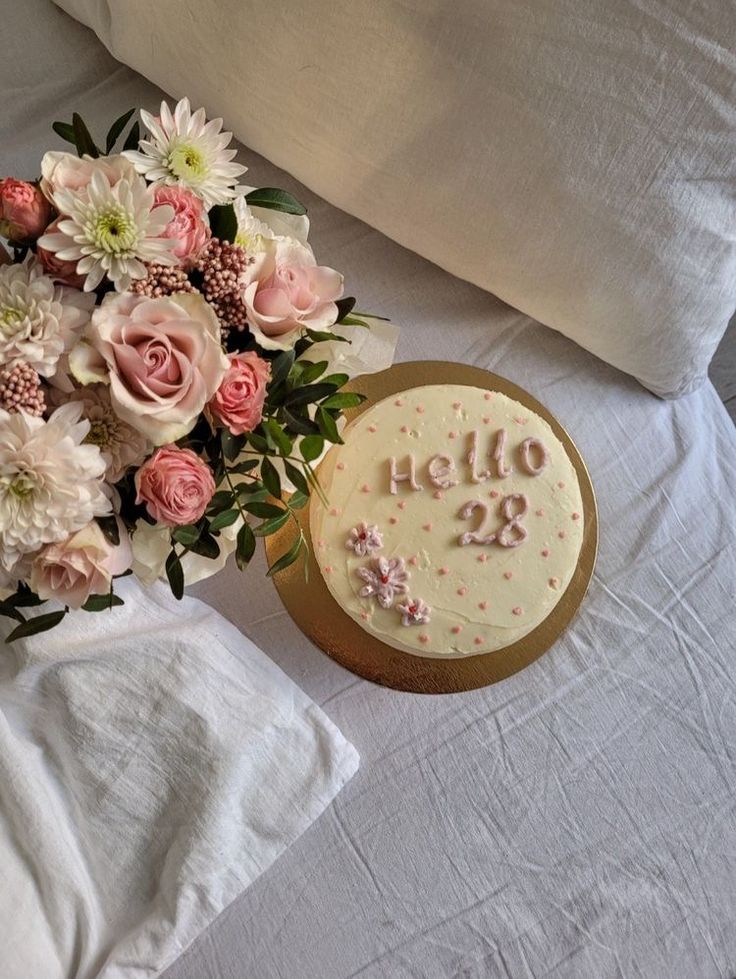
<point x="187" y="162"/>
<point x="10" y="318"/>
<point x="114" y="231"/>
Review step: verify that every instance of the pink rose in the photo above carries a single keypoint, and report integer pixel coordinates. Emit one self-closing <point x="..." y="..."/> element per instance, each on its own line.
<point x="285" y="291"/>
<point x="175" y="485"/>
<point x="238" y="402"/>
<point x="189" y="226"/>
<point x="24" y="211"/>
<point x="57" y="268"/>
<point x="65" y="171"/>
<point x="161" y="357"/>
<point x="82" y="565"/>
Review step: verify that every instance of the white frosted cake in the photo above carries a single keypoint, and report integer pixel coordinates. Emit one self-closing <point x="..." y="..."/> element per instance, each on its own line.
<point x="454" y="521"/>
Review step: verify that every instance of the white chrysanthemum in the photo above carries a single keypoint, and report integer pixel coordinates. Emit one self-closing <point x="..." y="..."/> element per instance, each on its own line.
<point x="185" y="149"/>
<point x="50" y="482"/>
<point x="111" y="231"/>
<point x="258" y="226"/>
<point x="120" y="444"/>
<point x="39" y="320"/>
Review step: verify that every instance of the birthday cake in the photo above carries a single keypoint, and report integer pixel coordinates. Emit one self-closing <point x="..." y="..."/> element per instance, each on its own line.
<point x="453" y="521"/>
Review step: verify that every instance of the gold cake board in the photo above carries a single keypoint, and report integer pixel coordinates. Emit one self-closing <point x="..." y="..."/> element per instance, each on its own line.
<point x="318" y="615"/>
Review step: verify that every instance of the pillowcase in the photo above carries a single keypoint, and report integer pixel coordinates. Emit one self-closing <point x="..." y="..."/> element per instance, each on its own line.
<point x="576" y="159"/>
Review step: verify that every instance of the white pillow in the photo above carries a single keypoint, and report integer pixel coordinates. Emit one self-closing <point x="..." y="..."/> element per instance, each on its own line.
<point x="577" y="159"/>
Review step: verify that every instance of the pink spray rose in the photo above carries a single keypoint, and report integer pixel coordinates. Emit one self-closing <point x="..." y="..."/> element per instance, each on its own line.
<point x="238" y="402"/>
<point x="175" y="485"/>
<point x="24" y="211"/>
<point x="57" y="268"/>
<point x="66" y="171"/>
<point x="161" y="357"/>
<point x="82" y="565"/>
<point x="285" y="290"/>
<point x="189" y="226"/>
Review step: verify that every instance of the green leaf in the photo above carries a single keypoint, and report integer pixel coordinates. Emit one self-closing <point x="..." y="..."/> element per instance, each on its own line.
<point x="328" y="426"/>
<point x="262" y="510"/>
<point x="355" y="321"/>
<point x="344" y="306"/>
<point x="223" y="222"/>
<point x="232" y="445"/>
<point x="100" y="603"/>
<point x="297" y="477"/>
<point x="41" y="623"/>
<point x="258" y="442"/>
<point x="280" y="367"/>
<point x="24" y="598"/>
<point x="252" y="491"/>
<point x="298" y="500"/>
<point x="82" y="137"/>
<point x="319" y="335"/>
<point x="243" y="467"/>
<point x="206" y="546"/>
<point x="271" y="478"/>
<point x="245" y="545"/>
<point x="309" y="394"/>
<point x="9" y="612"/>
<point x="276" y="200"/>
<point x="286" y="559"/>
<point x="116" y="129"/>
<point x="272" y="525"/>
<point x="224" y="519"/>
<point x="279" y="436"/>
<point x="110" y="529"/>
<point x="66" y="131"/>
<point x="344" y="399"/>
<point x="337" y="379"/>
<point x="311" y="371"/>
<point x="187" y="535"/>
<point x="311" y="447"/>
<point x="299" y="423"/>
<point x="175" y="574"/>
<point x="131" y="140"/>
<point x="222" y="500"/>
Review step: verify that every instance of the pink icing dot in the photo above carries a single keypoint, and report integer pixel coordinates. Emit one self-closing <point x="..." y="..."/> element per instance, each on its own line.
<point x="462" y="591"/>
<point x="420" y="409"/>
<point x="437" y="495"/>
<point x="401" y="504"/>
<point x="519" y="420"/>
<point x="561" y="485"/>
<point x="443" y="571"/>
<point x="508" y="575"/>
<point x="364" y="616"/>
<point x="478" y="640"/>
<point x="545" y="552"/>
<point x="393" y="519"/>
<point x="486" y="419"/>
<point x="562" y="534"/>
<point x="452" y="435"/>
<point x="539" y="512"/>
<point x="321" y="545"/>
<point x="517" y="610"/>
<point x="413" y="559"/>
<point x="404" y="429"/>
<point x="487" y="396"/>
<point x="399" y="403"/>
<point x="426" y="526"/>
<point x="329" y="569"/>
<point x="424" y="638"/>
<point x="483" y="606"/>
<point x="482" y="558"/>
<point x="457" y="404"/>
<point x="576" y="516"/>
<point x="340" y="466"/>
<point x="372" y="428"/>
<point x="554" y="582"/>
<point x="334" y="511"/>
<point x="365" y="488"/>
<point x="456" y="629"/>
<point x="493" y="494"/>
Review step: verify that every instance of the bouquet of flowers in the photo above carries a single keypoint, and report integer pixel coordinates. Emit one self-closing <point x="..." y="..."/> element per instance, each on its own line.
<point x="170" y="365"/>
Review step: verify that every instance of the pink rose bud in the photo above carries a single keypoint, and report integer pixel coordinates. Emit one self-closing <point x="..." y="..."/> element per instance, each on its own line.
<point x="57" y="268"/>
<point x="24" y="211"/>
<point x="175" y="485"/>
<point x="238" y="402"/>
<point x="189" y="226"/>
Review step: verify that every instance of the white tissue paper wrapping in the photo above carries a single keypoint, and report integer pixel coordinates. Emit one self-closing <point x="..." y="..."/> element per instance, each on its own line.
<point x="153" y="762"/>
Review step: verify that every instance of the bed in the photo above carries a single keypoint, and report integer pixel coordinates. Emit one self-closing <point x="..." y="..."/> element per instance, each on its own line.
<point x="578" y="819"/>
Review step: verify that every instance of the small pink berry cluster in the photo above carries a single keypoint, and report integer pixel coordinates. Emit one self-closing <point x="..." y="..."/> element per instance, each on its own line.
<point x="162" y="281"/>
<point x="20" y="389"/>
<point x="222" y="265"/>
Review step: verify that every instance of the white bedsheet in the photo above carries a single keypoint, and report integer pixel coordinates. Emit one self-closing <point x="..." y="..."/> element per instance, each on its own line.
<point x="578" y="819"/>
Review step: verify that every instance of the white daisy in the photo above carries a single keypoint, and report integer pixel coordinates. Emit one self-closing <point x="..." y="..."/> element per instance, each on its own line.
<point x="50" y="482"/>
<point x="186" y="149"/>
<point x="111" y="231"/>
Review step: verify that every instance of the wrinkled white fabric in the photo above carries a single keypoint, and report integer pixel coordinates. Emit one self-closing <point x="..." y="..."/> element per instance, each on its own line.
<point x="153" y="763"/>
<point x="576" y="158"/>
<point x="577" y="820"/>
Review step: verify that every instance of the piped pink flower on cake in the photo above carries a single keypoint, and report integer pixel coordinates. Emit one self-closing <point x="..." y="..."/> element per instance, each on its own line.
<point x="385" y="579"/>
<point x="414" y="611"/>
<point x="364" y="539"/>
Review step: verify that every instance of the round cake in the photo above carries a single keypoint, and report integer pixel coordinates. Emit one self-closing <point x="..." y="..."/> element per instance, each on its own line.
<point x="454" y="521"/>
